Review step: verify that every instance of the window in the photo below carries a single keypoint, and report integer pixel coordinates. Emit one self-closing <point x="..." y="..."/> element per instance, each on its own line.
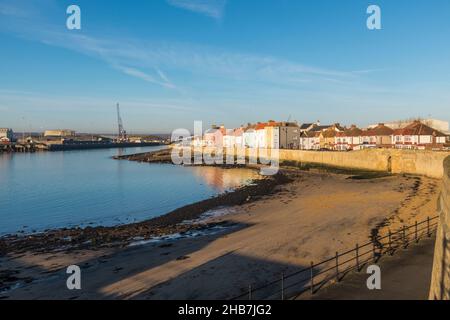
<point x="425" y="139"/>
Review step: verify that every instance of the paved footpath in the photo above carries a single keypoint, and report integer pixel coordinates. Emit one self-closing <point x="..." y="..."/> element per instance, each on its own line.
<point x="404" y="276"/>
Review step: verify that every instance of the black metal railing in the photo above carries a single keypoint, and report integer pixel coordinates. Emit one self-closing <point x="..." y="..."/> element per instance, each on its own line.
<point x="315" y="276"/>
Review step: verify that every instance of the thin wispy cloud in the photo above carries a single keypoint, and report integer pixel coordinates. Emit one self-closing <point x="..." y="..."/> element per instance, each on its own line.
<point x="163" y="81"/>
<point x="149" y="61"/>
<point x="21" y="18"/>
<point x="212" y="8"/>
<point x="169" y="64"/>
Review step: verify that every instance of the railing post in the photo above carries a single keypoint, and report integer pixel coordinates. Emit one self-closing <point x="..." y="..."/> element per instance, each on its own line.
<point x="282" y="286"/>
<point x="337" y="266"/>
<point x="312" y="278"/>
<point x="250" y="292"/>
<point x="390" y="242"/>
<point x="416" y="235"/>
<point x="404" y="238"/>
<point x="374" y="252"/>
<point x="428" y="227"/>
<point x="357" y="257"/>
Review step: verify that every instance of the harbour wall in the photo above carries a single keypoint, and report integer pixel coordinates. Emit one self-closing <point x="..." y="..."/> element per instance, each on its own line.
<point x="89" y="146"/>
<point x="417" y="162"/>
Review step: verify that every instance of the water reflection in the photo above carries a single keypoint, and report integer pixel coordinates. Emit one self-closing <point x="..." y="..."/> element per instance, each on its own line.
<point x="120" y="152"/>
<point x="224" y="179"/>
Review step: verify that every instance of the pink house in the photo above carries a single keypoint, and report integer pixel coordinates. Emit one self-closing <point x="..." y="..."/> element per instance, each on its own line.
<point x="214" y="136"/>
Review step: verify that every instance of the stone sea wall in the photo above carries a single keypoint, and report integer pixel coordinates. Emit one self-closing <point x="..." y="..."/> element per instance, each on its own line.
<point x="440" y="284"/>
<point x="427" y="163"/>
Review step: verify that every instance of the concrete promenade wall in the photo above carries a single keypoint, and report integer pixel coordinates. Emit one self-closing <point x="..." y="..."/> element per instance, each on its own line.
<point x="440" y="284"/>
<point x="416" y="162"/>
<point x="367" y="159"/>
<point x="427" y="163"/>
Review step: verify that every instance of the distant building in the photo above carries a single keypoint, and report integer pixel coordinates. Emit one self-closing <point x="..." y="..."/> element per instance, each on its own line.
<point x="329" y="135"/>
<point x="269" y="137"/>
<point x="273" y="135"/>
<point x="349" y="139"/>
<point x="135" y="139"/>
<point x="289" y="136"/>
<point x="234" y="138"/>
<point x="377" y="137"/>
<point x="239" y="137"/>
<point x="305" y="127"/>
<point x="319" y="128"/>
<point x="59" y="133"/>
<point x="214" y="137"/>
<point x="6" y="135"/>
<point x="229" y="139"/>
<point x="197" y="141"/>
<point x="261" y="141"/>
<point x="249" y="137"/>
<point x="418" y="136"/>
<point x="309" y="140"/>
<point x="440" y="125"/>
<point x="315" y="136"/>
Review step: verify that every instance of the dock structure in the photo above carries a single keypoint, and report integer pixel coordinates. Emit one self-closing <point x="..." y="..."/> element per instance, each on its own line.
<point x="17" y="147"/>
<point x="89" y="146"/>
<point x="39" y="146"/>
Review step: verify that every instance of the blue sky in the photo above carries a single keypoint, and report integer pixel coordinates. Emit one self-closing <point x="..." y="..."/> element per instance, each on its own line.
<point x="170" y="62"/>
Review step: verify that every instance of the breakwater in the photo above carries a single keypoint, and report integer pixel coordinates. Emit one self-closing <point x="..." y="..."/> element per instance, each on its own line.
<point x="88" y="146"/>
<point x="33" y="147"/>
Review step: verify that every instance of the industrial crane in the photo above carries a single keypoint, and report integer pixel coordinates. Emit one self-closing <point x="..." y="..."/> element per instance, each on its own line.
<point x="122" y="133"/>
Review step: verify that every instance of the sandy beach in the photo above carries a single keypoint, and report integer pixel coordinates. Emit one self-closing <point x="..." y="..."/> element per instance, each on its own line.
<point x="308" y="219"/>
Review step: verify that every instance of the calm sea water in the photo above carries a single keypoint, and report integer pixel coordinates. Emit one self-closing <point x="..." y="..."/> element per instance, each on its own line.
<point x="79" y="188"/>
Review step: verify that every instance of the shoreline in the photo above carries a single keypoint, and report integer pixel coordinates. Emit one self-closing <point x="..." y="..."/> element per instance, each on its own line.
<point x="173" y="222"/>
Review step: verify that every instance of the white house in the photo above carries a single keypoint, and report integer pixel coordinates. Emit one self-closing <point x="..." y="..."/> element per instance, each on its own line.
<point x="239" y="137"/>
<point x="418" y="136"/>
<point x="249" y="137"/>
<point x="229" y="139"/>
<point x="261" y="135"/>
<point x="310" y="140"/>
<point x="349" y="139"/>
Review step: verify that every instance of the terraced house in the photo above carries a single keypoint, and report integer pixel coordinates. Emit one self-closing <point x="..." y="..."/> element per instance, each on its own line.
<point x="214" y="136"/>
<point x="418" y="136"/>
<point x="377" y="137"/>
<point x="328" y="137"/>
<point x="310" y="140"/>
<point x="312" y="136"/>
<point x="349" y="139"/>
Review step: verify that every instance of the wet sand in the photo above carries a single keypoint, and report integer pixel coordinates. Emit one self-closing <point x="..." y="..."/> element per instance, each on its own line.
<point x="308" y="219"/>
